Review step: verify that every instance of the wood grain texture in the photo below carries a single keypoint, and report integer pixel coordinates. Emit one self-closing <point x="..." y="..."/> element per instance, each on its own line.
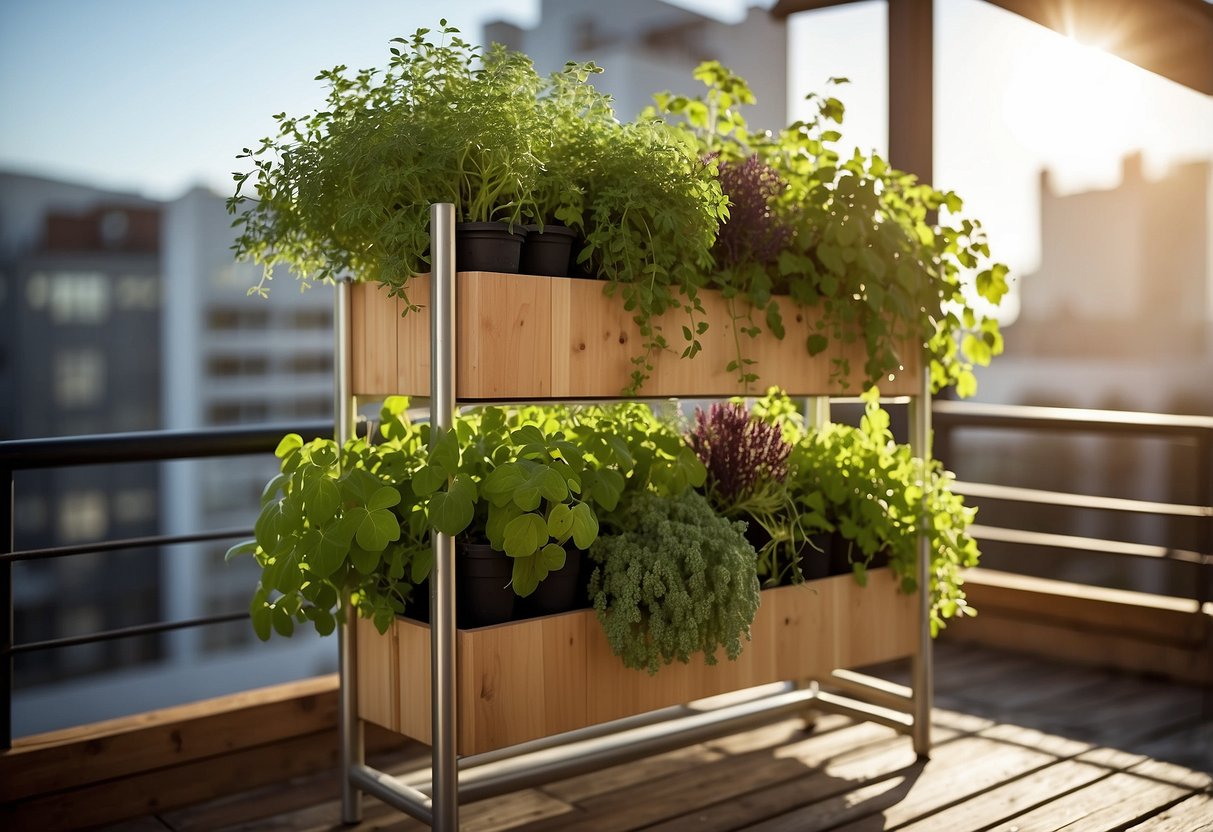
<point x="528" y="337"/>
<point x="99" y="751"/>
<point x="533" y="678"/>
<point x="1089" y="625"/>
<point x="376" y="673"/>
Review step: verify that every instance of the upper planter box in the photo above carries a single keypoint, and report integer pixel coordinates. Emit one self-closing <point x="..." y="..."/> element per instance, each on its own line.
<point x="522" y="337"/>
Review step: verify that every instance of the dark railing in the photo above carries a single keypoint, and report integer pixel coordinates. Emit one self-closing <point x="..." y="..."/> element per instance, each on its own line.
<point x="69" y="452"/>
<point x="949" y="418"/>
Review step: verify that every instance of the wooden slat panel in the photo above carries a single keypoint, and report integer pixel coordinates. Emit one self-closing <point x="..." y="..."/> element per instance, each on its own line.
<point x="157" y="739"/>
<point x="412" y="681"/>
<point x="880" y="622"/>
<point x="378" y="658"/>
<point x="505" y="341"/>
<point x="374" y="337"/>
<point x="533" y="678"/>
<point x="528" y="337"/>
<point x="564" y="669"/>
<point x="413" y="344"/>
<point x="1089" y="625"/>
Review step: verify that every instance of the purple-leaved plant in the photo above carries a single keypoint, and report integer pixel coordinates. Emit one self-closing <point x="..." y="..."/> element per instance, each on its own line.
<point x="752" y="233"/>
<point x="740" y="452"/>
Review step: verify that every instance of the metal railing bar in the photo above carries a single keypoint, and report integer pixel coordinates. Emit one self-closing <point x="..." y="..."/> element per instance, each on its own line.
<point x="127" y="543"/>
<point x="951" y="414"/>
<point x="1089" y="544"/>
<point x="149" y="446"/>
<point x="1069" y="499"/>
<point x="128" y="632"/>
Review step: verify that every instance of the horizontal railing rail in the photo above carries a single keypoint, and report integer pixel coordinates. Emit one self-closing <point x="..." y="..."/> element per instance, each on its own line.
<point x="951" y="417"/>
<point x="112" y="449"/>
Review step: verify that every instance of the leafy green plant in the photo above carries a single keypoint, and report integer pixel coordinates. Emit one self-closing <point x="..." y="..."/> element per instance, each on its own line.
<point x="513" y="479"/>
<point x="673" y="578"/>
<point x="347" y="189"/>
<point x="879" y="496"/>
<point x="864" y="243"/>
<point x="335" y="528"/>
<point x="650" y="218"/>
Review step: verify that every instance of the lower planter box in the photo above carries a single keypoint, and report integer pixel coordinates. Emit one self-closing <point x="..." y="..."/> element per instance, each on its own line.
<point x="533" y="678"/>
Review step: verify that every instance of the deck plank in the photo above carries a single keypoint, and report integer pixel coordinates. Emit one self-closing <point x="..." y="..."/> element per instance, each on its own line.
<point x="1192" y="815"/>
<point x="1109" y="803"/>
<point x="1018" y="742"/>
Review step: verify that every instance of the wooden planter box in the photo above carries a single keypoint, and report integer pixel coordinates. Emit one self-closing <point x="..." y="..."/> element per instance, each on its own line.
<point x="529" y="679"/>
<point x="523" y="337"/>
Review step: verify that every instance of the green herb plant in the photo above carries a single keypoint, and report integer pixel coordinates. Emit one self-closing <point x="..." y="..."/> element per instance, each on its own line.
<point x="651" y="211"/>
<point x="889" y="260"/>
<point x="347" y="190"/>
<point x="335" y="528"/>
<point x="673" y="578"/>
<point x="879" y="496"/>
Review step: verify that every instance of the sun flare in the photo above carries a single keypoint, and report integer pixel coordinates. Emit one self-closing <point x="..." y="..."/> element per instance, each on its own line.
<point x="1075" y="105"/>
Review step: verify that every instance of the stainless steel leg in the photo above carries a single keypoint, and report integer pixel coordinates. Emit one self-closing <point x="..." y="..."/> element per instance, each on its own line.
<point x="445" y="806"/>
<point x="921" y="672"/>
<point x="349" y="729"/>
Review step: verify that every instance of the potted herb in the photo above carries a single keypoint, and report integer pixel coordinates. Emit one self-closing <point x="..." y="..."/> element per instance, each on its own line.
<point x="855" y="236"/>
<point x="878" y="496"/>
<point x="333" y="529"/>
<point x="747" y="461"/>
<point x="347" y="190"/>
<point x="673" y="578"/>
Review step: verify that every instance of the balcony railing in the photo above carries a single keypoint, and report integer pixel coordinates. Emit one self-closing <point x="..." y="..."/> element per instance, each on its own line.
<point x="70" y="452"/>
<point x="1194" y="634"/>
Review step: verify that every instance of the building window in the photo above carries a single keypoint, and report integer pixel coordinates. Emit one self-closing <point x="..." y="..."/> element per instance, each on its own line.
<point x="229" y="318"/>
<point x="318" y="319"/>
<point x="314" y="363"/>
<point x="236" y="365"/>
<point x="134" y="505"/>
<point x="137" y="292"/>
<point x="83" y="516"/>
<point x="314" y="407"/>
<point x="79" y="377"/>
<point x="230" y="413"/>
<point x="70" y="297"/>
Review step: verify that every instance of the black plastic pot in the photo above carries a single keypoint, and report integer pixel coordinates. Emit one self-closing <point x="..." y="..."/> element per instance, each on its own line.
<point x="813" y="557"/>
<point x="483" y="578"/>
<point x="488" y="247"/>
<point x="547" y="252"/>
<point x="560" y="591"/>
<point x="418" y="607"/>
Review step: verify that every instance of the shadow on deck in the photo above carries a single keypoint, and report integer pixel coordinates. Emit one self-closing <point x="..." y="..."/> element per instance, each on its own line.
<point x="1020" y="743"/>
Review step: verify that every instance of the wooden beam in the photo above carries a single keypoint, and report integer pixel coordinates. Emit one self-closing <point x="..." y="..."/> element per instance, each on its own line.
<point x="912" y="86"/>
<point x="1172" y="38"/>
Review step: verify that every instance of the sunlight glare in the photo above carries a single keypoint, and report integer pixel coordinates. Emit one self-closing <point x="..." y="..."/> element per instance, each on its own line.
<point x="1076" y="106"/>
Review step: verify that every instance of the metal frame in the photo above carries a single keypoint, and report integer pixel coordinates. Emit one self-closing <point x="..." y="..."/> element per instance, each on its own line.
<point x="434" y="796"/>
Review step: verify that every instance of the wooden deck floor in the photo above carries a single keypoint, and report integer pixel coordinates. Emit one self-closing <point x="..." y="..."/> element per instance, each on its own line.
<point x="1020" y="744"/>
